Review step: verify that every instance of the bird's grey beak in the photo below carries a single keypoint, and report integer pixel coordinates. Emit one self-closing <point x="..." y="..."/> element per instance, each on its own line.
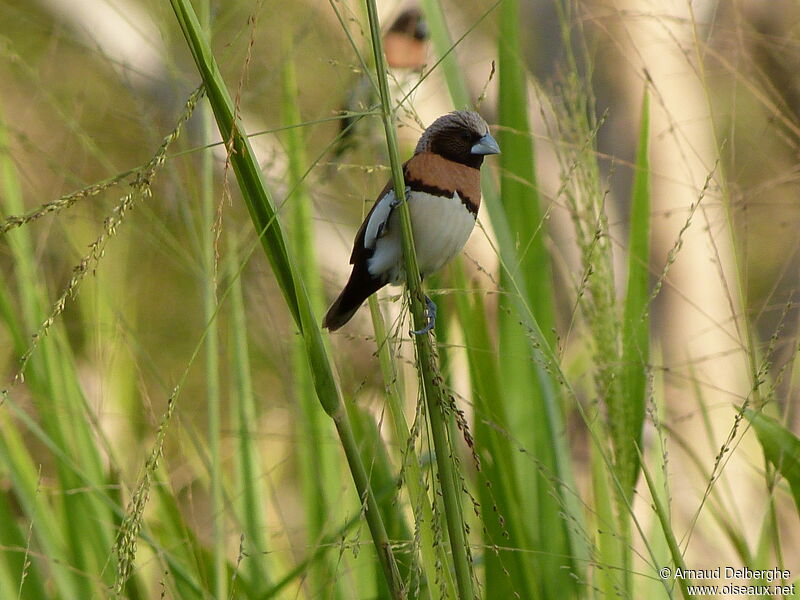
<point x="486" y="145"/>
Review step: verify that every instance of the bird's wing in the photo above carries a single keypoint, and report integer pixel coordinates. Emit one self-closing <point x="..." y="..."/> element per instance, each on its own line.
<point x="375" y="223"/>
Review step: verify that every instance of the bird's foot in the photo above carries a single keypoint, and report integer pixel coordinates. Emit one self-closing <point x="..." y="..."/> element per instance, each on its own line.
<point x="430" y="314"/>
<point x="396" y="201"/>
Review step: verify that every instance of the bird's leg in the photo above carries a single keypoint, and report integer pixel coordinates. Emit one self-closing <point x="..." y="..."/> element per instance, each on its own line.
<point x="393" y="203"/>
<point x="430" y="314"/>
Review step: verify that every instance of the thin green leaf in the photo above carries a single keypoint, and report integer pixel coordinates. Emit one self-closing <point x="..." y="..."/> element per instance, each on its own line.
<point x="636" y="322"/>
<point x="252" y="503"/>
<point x="426" y="358"/>
<point x="781" y="447"/>
<point x="265" y="219"/>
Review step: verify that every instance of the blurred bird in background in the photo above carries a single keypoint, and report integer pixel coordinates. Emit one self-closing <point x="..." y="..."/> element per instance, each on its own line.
<point x="405" y="44"/>
<point x="406" y="41"/>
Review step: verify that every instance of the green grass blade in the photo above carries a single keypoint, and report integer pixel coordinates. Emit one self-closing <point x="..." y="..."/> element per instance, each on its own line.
<point x="252" y="501"/>
<point x="208" y="251"/>
<point x="248" y="174"/>
<point x="443" y="45"/>
<point x="191" y="564"/>
<point x="49" y="531"/>
<point x="432" y="554"/>
<point x="375" y="455"/>
<point x="265" y="219"/>
<point x="527" y="227"/>
<point x="636" y="322"/>
<point x="506" y="516"/>
<point x="535" y="419"/>
<point x="19" y="570"/>
<point x="662" y="514"/>
<point x="318" y="465"/>
<point x="649" y="587"/>
<point x="65" y="418"/>
<point x="518" y="185"/>
<point x="609" y="555"/>
<point x="781" y="448"/>
<point x="426" y="358"/>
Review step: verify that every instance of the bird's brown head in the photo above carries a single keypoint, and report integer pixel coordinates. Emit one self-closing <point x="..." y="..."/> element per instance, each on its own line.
<point x="411" y="23"/>
<point x="406" y="41"/>
<point x="461" y="136"/>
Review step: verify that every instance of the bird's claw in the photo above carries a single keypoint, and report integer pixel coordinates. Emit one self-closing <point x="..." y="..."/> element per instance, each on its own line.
<point x="430" y="313"/>
<point x="396" y="202"/>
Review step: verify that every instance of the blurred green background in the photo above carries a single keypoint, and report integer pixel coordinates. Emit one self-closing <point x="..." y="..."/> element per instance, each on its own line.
<point x="89" y="90"/>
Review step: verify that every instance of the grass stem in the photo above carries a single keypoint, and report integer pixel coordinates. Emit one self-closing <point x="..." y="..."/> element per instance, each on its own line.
<point x="426" y="362"/>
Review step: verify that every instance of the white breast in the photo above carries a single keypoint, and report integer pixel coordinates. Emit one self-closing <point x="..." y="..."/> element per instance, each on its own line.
<point x="441" y="228"/>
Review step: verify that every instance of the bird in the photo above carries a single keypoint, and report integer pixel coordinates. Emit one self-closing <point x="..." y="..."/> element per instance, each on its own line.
<point x="443" y="190"/>
<point x="405" y="45"/>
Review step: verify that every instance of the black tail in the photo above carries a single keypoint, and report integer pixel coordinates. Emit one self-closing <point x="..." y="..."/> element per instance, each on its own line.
<point x="360" y="286"/>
